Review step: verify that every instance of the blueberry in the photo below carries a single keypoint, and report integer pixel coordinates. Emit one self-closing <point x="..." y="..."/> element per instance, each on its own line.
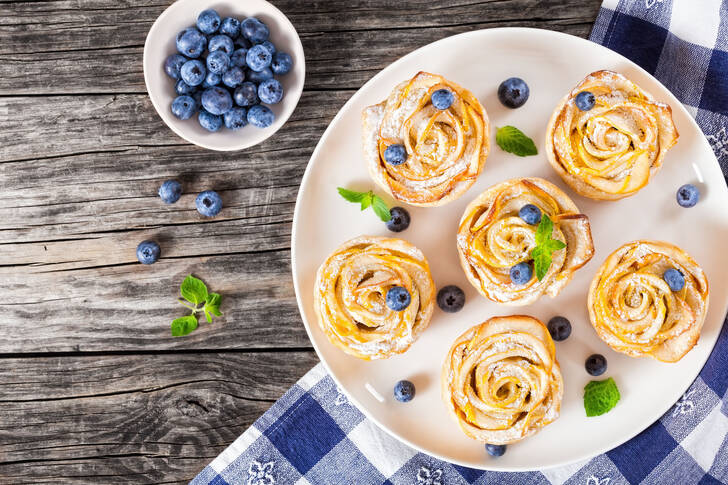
<point x="281" y="63"/>
<point x="521" y="273"/>
<point x="254" y="30"/>
<point x="148" y="252"/>
<point x="258" y="58"/>
<point x="208" y="21"/>
<point x="246" y="94"/>
<point x="395" y="154"/>
<point x="530" y="214"/>
<point x="182" y="88"/>
<point x="197" y="96"/>
<point x="269" y="45"/>
<point x="451" y="299"/>
<point x="183" y="107"/>
<point x="513" y="92"/>
<point x="216" y="100"/>
<point x="595" y="365"/>
<point x="687" y="195"/>
<point x="170" y="191"/>
<point x="260" y="116"/>
<point x="584" y="100"/>
<point x="242" y="42"/>
<point x="236" y="118"/>
<point x="193" y="72"/>
<point x="191" y="42"/>
<point x="495" y="450"/>
<point x="172" y="65"/>
<point x="442" y="99"/>
<point x="398" y="298"/>
<point x="208" y="203"/>
<point x="270" y="91"/>
<point x="674" y="279"/>
<point x="218" y="62"/>
<point x="559" y="328"/>
<point x="399" y="220"/>
<point x="212" y="79"/>
<point x="209" y="121"/>
<point x="233" y="77"/>
<point x="221" y="43"/>
<point x="230" y="27"/>
<point x="258" y="77"/>
<point x="238" y="57"/>
<point x="404" y="391"/>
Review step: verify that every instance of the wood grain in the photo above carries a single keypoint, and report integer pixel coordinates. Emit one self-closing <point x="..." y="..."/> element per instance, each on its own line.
<point x="94" y="388"/>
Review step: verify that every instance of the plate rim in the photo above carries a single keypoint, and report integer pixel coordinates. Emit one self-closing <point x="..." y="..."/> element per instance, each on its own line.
<point x="673" y="102"/>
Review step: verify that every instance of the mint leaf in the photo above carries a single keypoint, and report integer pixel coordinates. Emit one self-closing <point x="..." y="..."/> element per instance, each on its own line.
<point x="367" y="199"/>
<point x="545" y="247"/>
<point x="193" y="290"/>
<point x="513" y="140"/>
<point x="600" y="397"/>
<point x="183" y="325"/>
<point x="380" y="209"/>
<point x="212" y="307"/>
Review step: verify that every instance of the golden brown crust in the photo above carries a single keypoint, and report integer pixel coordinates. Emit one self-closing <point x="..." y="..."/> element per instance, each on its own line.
<point x="492" y="238"/>
<point x="611" y="151"/>
<point x="349" y="296"/>
<point x="634" y="310"/>
<point x="500" y="380"/>
<point x="446" y="149"/>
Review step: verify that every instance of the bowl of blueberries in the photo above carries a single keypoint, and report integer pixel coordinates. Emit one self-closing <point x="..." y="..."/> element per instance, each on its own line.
<point x="224" y="75"/>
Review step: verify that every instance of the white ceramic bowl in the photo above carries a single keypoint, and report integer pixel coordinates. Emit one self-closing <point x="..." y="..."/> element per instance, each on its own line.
<point x="160" y="43"/>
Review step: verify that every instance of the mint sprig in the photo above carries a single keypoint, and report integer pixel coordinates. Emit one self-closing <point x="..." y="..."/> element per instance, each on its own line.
<point x="600" y="397"/>
<point x="198" y="299"/>
<point x="545" y="247"/>
<point x="513" y="140"/>
<point x="366" y="200"/>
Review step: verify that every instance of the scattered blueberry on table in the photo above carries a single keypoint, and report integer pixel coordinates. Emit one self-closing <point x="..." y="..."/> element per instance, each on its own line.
<point x="148" y="252"/>
<point x="530" y="214"/>
<point x="495" y="450"/>
<point x="398" y="298"/>
<point x="559" y="328"/>
<point x="513" y="92"/>
<point x="521" y="273"/>
<point x="596" y="365"/>
<point x="400" y="219"/>
<point x="687" y="195"/>
<point x="209" y="203"/>
<point x="584" y="100"/>
<point x="674" y="279"/>
<point x="451" y="299"/>
<point x="404" y="391"/>
<point x="226" y="65"/>
<point x="395" y="154"/>
<point x="170" y="191"/>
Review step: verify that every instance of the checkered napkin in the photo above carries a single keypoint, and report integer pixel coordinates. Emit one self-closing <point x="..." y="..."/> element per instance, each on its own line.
<point x="313" y="435"/>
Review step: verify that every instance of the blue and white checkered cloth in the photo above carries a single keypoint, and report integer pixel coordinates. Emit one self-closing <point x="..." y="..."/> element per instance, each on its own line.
<point x="313" y="435"/>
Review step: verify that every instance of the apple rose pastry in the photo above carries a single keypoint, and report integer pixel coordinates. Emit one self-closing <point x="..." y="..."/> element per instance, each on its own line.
<point x="427" y="142"/>
<point x="374" y="296"/>
<point x="649" y="298"/>
<point x="522" y="238"/>
<point x="607" y="137"/>
<point x="500" y="380"/>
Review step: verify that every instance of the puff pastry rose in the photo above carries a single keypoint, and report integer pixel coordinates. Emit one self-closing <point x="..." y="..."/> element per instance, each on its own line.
<point x="492" y="239"/>
<point x="350" y="291"/>
<point x="444" y="149"/>
<point x="500" y="380"/>
<point x="634" y="310"/>
<point x="610" y="151"/>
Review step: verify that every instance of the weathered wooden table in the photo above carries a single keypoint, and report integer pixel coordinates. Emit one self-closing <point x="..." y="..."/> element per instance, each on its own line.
<point x="93" y="388"/>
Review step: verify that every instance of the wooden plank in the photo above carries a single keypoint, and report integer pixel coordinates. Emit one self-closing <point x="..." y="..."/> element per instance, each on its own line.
<point x="97" y="48"/>
<point x="133" y="418"/>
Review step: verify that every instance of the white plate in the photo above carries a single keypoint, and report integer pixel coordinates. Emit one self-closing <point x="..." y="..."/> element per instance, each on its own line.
<point x="551" y="63"/>
<point x="160" y="43"/>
